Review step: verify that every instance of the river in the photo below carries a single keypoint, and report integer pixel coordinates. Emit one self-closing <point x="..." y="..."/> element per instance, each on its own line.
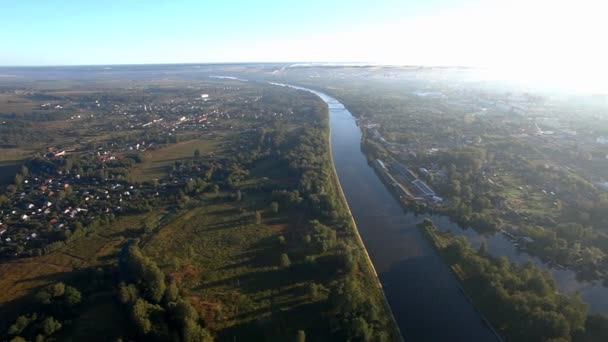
<point x="424" y="296"/>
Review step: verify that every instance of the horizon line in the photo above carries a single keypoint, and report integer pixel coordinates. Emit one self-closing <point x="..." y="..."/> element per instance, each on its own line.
<point x="299" y="64"/>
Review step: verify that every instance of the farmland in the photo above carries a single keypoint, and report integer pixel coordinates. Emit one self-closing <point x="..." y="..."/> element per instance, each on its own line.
<point x="158" y="163"/>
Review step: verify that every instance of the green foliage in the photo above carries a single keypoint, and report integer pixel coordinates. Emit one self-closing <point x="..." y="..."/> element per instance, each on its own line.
<point x="172" y="292"/>
<point x="72" y="296"/>
<point x="58" y="294"/>
<point x="140" y="315"/>
<point x="358" y="316"/>
<point x="258" y="217"/>
<point x="21" y="324"/>
<point x="155" y="318"/>
<point x="282" y="241"/>
<point x="274" y="207"/>
<point x="150" y="278"/>
<point x="284" y="260"/>
<point x="322" y="237"/>
<point x="128" y="293"/>
<point x="301" y="336"/>
<point x="50" y="325"/>
<point x="522" y="302"/>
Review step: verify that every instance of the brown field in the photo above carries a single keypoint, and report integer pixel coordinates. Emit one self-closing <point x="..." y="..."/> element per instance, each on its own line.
<point x="11" y="103"/>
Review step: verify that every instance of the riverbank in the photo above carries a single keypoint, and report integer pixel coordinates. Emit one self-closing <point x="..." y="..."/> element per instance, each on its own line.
<point x="520" y="301"/>
<point x="360" y="242"/>
<point x="502" y="242"/>
<point x="419" y="288"/>
<point x="431" y="232"/>
<point x="369" y="270"/>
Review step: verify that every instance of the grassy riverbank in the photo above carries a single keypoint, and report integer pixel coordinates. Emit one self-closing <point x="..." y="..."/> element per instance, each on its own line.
<point x="521" y="302"/>
<point x="395" y="333"/>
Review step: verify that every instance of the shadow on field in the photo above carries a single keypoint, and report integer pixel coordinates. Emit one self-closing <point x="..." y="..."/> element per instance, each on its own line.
<point x="278" y="325"/>
<point x="264" y="253"/>
<point x="236" y="223"/>
<point x="265" y="279"/>
<point x="155" y="170"/>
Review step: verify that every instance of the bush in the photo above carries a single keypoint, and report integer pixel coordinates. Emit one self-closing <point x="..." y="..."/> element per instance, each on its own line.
<point x="284" y="261"/>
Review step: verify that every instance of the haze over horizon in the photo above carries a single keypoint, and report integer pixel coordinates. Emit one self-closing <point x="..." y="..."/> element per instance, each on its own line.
<point x="527" y="40"/>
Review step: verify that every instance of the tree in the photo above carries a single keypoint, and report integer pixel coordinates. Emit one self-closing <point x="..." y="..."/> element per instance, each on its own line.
<point x="21" y="323"/>
<point x="50" y="325"/>
<point x="172" y="292"/>
<point x="147" y="274"/>
<point x="362" y="329"/>
<point x="18" y="179"/>
<point x="274" y="206"/>
<point x="322" y="237"/>
<point x="127" y="293"/>
<point x="285" y="262"/>
<point x="43" y="297"/>
<point x="215" y="189"/>
<point x="197" y="153"/>
<point x="455" y="187"/>
<point x="25" y="171"/>
<point x="72" y="296"/>
<point x="313" y="290"/>
<point x="301" y="336"/>
<point x="258" y="217"/>
<point x="193" y="332"/>
<point x="282" y="241"/>
<point x="140" y="316"/>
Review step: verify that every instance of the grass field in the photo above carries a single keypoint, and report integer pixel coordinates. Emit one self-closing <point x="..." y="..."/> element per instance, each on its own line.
<point x="229" y="265"/>
<point x="21" y="277"/>
<point x="158" y="162"/>
<point x="11" y="160"/>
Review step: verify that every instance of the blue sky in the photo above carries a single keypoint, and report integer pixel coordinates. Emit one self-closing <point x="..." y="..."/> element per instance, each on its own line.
<point x="546" y="41"/>
<point x="57" y="32"/>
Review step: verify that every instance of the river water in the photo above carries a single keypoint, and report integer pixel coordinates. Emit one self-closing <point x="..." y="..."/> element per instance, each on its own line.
<point x="423" y="294"/>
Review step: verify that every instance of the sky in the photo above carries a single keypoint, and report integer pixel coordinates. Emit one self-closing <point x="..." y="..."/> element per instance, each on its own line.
<point x="515" y="38"/>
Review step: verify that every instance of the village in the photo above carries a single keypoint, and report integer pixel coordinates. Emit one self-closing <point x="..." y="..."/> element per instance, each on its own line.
<point x="71" y="186"/>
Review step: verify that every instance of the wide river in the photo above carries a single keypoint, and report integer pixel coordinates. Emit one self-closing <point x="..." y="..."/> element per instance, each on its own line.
<point x="423" y="294"/>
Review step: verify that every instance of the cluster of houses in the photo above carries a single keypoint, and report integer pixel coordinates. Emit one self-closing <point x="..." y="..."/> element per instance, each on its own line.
<point x="52" y="200"/>
<point x="48" y="202"/>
